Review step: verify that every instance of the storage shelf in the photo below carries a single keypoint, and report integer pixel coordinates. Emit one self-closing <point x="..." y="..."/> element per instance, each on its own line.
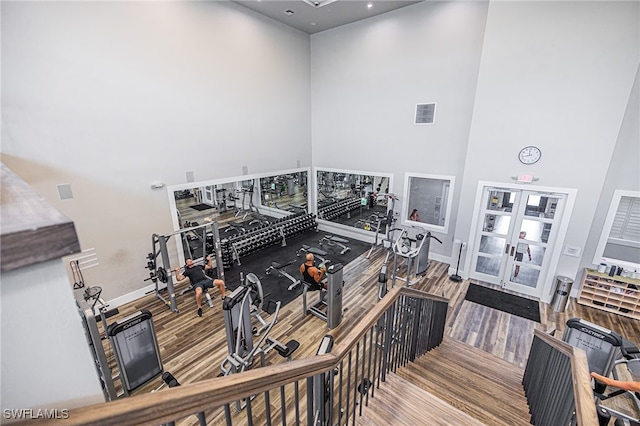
<point x="619" y="295"/>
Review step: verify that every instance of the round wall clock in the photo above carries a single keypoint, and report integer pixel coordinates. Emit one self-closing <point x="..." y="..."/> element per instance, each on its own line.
<point x="529" y="155"/>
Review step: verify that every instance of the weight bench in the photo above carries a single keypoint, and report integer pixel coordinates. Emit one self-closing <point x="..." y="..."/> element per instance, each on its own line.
<point x="237" y="226"/>
<point x="319" y="253"/>
<point x="281" y="272"/>
<point x="258" y="218"/>
<point x="332" y="240"/>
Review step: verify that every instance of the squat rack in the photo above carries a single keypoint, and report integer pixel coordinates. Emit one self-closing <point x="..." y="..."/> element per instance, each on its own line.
<point x="159" y="264"/>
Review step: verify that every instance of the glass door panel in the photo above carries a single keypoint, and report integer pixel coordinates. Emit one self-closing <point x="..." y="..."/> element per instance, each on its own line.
<point x="528" y="258"/>
<point x="491" y="251"/>
<point x="513" y="238"/>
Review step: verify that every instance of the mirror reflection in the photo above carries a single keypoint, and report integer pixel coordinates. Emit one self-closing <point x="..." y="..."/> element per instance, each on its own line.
<point x="352" y="198"/>
<point x="286" y="192"/>
<point x="236" y="204"/>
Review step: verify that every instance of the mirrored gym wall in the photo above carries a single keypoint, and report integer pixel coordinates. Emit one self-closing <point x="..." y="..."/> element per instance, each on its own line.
<point x="352" y="200"/>
<point x="235" y="203"/>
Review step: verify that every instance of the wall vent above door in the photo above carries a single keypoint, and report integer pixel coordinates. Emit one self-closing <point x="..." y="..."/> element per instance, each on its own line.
<point x="425" y="113"/>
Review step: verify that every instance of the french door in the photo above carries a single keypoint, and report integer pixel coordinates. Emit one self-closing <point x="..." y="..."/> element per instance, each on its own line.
<point x="515" y="238"/>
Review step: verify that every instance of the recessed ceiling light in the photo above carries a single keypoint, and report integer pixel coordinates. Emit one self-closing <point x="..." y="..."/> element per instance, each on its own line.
<point x="370" y="5"/>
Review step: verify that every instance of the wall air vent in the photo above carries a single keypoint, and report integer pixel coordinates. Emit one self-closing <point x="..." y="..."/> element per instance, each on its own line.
<point x="425" y="113"/>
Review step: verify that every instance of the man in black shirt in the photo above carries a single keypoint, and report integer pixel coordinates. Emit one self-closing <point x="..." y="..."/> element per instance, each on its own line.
<point x="199" y="280"/>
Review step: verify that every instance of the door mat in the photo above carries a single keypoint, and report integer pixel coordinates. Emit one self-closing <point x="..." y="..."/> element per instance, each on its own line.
<point x="505" y="302"/>
<point x="201" y="207"/>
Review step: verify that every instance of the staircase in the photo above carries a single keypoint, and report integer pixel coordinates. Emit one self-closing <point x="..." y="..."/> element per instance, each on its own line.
<point x="452" y="384"/>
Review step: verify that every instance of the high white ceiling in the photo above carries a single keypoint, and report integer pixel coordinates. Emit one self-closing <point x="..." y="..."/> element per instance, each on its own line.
<point x="313" y="16"/>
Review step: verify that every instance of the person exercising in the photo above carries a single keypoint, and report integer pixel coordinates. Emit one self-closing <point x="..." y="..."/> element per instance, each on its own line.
<point x="311" y="274"/>
<point x="199" y="280"/>
<point x="631" y="386"/>
<point x="415" y="216"/>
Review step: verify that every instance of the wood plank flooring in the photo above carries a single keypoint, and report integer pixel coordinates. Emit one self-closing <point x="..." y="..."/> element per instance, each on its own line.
<point x="193" y="348"/>
<point x="414" y="407"/>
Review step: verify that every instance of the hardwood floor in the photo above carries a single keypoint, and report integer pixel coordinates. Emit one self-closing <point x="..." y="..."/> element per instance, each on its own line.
<point x="193" y="348"/>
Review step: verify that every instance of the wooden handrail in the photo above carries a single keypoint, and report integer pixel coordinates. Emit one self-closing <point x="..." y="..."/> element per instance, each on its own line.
<point x="182" y="401"/>
<point x="583" y="393"/>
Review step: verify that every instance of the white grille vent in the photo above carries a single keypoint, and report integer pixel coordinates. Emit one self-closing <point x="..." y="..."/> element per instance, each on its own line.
<point x="425" y="113"/>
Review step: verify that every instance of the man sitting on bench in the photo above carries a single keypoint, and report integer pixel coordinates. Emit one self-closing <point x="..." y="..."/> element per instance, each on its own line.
<point x="199" y="280"/>
<point x="313" y="275"/>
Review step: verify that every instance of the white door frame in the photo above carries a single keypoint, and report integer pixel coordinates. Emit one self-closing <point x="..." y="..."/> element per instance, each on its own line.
<point x="546" y="291"/>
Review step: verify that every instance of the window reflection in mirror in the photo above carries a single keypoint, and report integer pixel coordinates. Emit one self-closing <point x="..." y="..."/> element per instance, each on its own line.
<point x="620" y="240"/>
<point x="353" y="198"/>
<point x="429" y="200"/>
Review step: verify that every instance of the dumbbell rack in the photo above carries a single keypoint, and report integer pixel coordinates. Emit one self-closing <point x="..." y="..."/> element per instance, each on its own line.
<point x="244" y="243"/>
<point x="339" y="208"/>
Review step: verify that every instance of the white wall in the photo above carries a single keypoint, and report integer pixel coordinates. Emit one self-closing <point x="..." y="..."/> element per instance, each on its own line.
<point x="367" y="78"/>
<point x="623" y="172"/>
<point x="557" y="75"/>
<point x="46" y="362"/>
<point x="111" y="96"/>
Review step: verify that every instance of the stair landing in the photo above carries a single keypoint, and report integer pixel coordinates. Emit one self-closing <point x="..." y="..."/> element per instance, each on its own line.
<point x="483" y="386"/>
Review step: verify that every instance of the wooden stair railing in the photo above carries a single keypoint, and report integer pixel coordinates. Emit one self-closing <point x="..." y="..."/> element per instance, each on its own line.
<point x="557" y="383"/>
<point x="404" y="313"/>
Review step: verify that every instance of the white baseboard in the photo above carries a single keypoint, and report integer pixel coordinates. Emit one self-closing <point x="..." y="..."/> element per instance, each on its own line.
<point x="130" y="297"/>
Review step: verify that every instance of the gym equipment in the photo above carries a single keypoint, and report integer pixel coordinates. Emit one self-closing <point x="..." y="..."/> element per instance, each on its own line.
<point x="318" y="253"/>
<point x="172" y="382"/>
<point x="281" y="272"/>
<point x="333" y="240"/>
<point x="321" y="399"/>
<point x="258" y="218"/>
<point x="244" y="243"/>
<point x="160" y="268"/>
<point x="602" y="347"/>
<point x="411" y="249"/>
<point x="242" y="210"/>
<point x="630" y="358"/>
<point x="88" y="260"/>
<point x="235" y="226"/>
<point x="136" y="350"/>
<point x="600" y="344"/>
<point x="329" y="306"/>
<point x="92" y="333"/>
<point x="238" y="309"/>
<point x="339" y="208"/>
<point x="388" y="220"/>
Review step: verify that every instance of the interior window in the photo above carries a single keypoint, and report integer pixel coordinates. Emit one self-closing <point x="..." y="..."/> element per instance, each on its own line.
<point x="428" y="200"/>
<point x="620" y="240"/>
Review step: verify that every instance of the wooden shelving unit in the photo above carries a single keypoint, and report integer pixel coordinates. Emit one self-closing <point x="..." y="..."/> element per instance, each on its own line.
<point x="616" y="294"/>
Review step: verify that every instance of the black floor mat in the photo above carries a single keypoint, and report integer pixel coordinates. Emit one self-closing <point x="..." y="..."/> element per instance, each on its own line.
<point x="275" y="287"/>
<point x="201" y="207"/>
<point x="505" y="302"/>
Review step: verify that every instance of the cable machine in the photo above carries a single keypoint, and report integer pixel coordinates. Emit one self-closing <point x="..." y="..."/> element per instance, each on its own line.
<point x="159" y="264"/>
